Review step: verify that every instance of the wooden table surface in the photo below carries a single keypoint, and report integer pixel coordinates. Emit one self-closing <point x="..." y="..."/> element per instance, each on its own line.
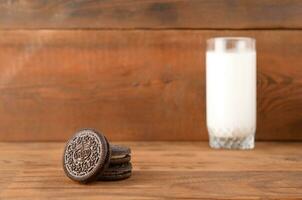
<point x="162" y="170"/>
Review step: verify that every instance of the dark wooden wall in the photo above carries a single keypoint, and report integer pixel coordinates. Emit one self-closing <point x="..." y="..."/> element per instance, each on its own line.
<point x="135" y="69"/>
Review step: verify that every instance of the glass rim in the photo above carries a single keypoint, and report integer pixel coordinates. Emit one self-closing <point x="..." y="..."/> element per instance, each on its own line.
<point x="232" y="38"/>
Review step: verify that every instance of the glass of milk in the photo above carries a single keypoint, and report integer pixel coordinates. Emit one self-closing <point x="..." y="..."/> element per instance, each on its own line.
<point x="231" y="92"/>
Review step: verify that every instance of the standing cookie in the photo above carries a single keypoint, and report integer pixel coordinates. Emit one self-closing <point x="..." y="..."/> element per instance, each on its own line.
<point x="86" y="156"/>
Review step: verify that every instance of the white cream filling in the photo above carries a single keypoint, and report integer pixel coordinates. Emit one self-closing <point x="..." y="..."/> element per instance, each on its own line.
<point x="118" y="156"/>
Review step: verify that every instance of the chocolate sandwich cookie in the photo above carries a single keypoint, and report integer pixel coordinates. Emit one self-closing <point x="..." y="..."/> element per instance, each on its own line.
<point x="117" y="172"/>
<point x="86" y="156"/>
<point x="119" y="154"/>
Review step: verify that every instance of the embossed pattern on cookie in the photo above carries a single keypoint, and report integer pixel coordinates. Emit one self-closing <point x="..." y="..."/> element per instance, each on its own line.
<point x="86" y="155"/>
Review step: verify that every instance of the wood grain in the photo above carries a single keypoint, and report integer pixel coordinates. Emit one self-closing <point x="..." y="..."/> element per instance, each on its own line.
<point x="151" y="14"/>
<point x="161" y="171"/>
<point x="135" y="85"/>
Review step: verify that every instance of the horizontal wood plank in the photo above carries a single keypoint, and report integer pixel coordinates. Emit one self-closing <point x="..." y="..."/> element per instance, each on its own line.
<point x="135" y="85"/>
<point x="161" y="170"/>
<point x="151" y="14"/>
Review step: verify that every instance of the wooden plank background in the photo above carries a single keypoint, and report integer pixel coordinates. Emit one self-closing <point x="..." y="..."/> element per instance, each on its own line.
<point x="151" y="14"/>
<point x="139" y="75"/>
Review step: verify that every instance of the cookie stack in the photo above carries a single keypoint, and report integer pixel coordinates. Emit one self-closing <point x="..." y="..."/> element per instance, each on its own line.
<point x="120" y="166"/>
<point x="88" y="156"/>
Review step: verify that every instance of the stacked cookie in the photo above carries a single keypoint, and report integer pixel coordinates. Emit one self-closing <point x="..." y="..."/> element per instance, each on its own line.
<point x="120" y="166"/>
<point x="88" y="156"/>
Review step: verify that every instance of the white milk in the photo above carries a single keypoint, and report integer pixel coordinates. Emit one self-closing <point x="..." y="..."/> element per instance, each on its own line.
<point x="231" y="93"/>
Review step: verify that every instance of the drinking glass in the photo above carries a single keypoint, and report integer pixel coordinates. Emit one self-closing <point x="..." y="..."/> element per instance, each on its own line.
<point x="231" y="92"/>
